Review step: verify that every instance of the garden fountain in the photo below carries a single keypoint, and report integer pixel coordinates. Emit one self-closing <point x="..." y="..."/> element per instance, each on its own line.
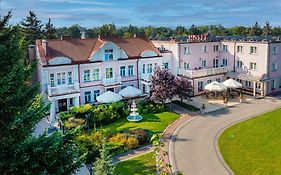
<point x="134" y="115"/>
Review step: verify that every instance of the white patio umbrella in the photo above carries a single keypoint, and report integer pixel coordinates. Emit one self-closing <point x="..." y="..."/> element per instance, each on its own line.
<point x="130" y="92"/>
<point x="215" y="86"/>
<point x="230" y="83"/>
<point x="109" y="97"/>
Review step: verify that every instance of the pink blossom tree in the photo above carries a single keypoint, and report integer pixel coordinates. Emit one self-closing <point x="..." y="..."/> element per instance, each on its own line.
<point x="162" y="86"/>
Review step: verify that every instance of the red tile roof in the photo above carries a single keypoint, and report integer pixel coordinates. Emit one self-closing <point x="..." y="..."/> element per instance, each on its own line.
<point x="80" y="50"/>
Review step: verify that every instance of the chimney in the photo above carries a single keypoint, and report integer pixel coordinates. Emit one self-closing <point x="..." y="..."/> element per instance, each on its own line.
<point x="83" y="35"/>
<point x="45" y="46"/>
<point x="31" y="53"/>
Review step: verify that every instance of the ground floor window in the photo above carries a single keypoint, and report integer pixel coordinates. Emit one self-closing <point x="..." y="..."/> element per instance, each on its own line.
<point x="218" y="79"/>
<point x="209" y="81"/>
<point x="96" y="94"/>
<point x="200" y="85"/>
<point x="71" y="102"/>
<point x="87" y="97"/>
<point x="248" y="84"/>
<point x="110" y="89"/>
<point x="143" y="88"/>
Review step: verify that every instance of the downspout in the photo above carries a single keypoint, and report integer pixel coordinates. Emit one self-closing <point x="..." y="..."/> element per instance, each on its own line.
<point x="138" y="73"/>
<point x="80" y="100"/>
<point x="234" y="57"/>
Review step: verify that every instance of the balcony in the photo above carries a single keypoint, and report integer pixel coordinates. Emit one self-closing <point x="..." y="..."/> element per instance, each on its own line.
<point x="111" y="81"/>
<point x="204" y="72"/>
<point x="63" y="89"/>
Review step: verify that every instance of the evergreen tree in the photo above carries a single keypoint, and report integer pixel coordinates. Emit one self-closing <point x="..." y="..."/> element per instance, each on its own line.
<point x="104" y="164"/>
<point x="50" y="30"/>
<point x="32" y="28"/>
<point x="267" y="31"/>
<point x="21" y="107"/>
<point x="193" y="30"/>
<point x="255" y="30"/>
<point x="108" y="30"/>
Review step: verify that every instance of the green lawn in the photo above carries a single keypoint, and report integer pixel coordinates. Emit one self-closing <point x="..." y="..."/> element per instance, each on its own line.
<point x="253" y="147"/>
<point x="154" y="122"/>
<point x="141" y="165"/>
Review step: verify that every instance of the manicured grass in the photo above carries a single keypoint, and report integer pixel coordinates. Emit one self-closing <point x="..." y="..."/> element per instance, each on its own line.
<point x="253" y="147"/>
<point x="186" y="106"/>
<point x="154" y="122"/>
<point x="141" y="165"/>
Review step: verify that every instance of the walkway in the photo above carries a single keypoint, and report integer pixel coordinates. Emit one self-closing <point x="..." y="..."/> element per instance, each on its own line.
<point x="194" y="150"/>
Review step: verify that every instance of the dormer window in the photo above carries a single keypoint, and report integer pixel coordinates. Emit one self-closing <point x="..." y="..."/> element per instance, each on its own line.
<point x="108" y="54"/>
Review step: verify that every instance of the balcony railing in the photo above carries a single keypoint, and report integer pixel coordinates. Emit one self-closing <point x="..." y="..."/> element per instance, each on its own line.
<point x="204" y="72"/>
<point x="63" y="89"/>
<point x="111" y="81"/>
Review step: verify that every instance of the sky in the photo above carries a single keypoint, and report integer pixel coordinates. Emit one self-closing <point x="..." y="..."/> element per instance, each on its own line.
<point x="168" y="13"/>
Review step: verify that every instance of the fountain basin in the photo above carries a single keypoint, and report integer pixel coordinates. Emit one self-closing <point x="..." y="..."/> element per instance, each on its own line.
<point x="134" y="118"/>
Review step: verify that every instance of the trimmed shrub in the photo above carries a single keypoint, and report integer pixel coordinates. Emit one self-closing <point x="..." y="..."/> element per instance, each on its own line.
<point x="150" y="107"/>
<point x="132" y="143"/>
<point x="74" y="123"/>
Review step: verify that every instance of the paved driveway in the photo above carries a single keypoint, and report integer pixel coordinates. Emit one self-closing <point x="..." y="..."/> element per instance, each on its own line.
<point x="193" y="150"/>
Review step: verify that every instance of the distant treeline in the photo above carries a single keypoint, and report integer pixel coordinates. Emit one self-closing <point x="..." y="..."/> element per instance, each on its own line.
<point x="33" y="28"/>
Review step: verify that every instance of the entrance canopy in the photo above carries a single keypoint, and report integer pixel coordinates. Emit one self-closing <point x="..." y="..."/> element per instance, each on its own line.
<point x="109" y="97"/>
<point x="130" y="92"/>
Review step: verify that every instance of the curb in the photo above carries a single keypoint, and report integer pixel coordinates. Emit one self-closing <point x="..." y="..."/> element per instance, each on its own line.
<point x="171" y="152"/>
<point x="220" y="131"/>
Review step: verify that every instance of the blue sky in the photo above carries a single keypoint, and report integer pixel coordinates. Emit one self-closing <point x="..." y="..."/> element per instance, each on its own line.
<point x="169" y="13"/>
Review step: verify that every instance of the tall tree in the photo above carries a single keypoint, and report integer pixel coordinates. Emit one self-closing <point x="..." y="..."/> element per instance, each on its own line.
<point x="267" y="30"/>
<point x="255" y="30"/>
<point x="108" y="30"/>
<point x="184" y="89"/>
<point x="180" y="31"/>
<point x="32" y="28"/>
<point x="50" y="30"/>
<point x="162" y="86"/>
<point x="104" y="164"/>
<point x="21" y="107"/>
<point x="194" y="30"/>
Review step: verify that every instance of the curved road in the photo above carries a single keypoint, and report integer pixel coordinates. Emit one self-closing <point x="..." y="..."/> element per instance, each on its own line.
<point x="193" y="149"/>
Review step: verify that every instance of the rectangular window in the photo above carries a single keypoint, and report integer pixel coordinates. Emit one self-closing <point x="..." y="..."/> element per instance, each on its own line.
<point x="253" y="66"/>
<point x="144" y="88"/>
<point x="87" y="97"/>
<point x="215" y="63"/>
<point x="149" y="68"/>
<point x="96" y="94"/>
<point x="218" y="79"/>
<point x="187" y="50"/>
<point x="224" y="48"/>
<point x="209" y="81"/>
<point x="204" y="49"/>
<point x="131" y="70"/>
<point x="70" y="78"/>
<point x="166" y="65"/>
<point x="86" y="75"/>
<point x="216" y="48"/>
<point x="58" y="78"/>
<point x="239" y="64"/>
<point x="200" y="86"/>
<point x="274" y="50"/>
<point x="63" y="78"/>
<point x="253" y="49"/>
<point x="143" y="68"/>
<point x="204" y="63"/>
<point x="274" y="66"/>
<point x="109" y="72"/>
<point x="96" y="74"/>
<point x="52" y="80"/>
<point x="224" y="62"/>
<point x="186" y="65"/>
<point x="248" y="84"/>
<point x="239" y="49"/>
<point x="122" y="71"/>
<point x="108" y="54"/>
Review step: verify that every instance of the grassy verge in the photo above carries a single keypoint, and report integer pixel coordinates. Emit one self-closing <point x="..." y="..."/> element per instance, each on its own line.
<point x="154" y="122"/>
<point x="253" y="147"/>
<point x="141" y="165"/>
<point x="186" y="106"/>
